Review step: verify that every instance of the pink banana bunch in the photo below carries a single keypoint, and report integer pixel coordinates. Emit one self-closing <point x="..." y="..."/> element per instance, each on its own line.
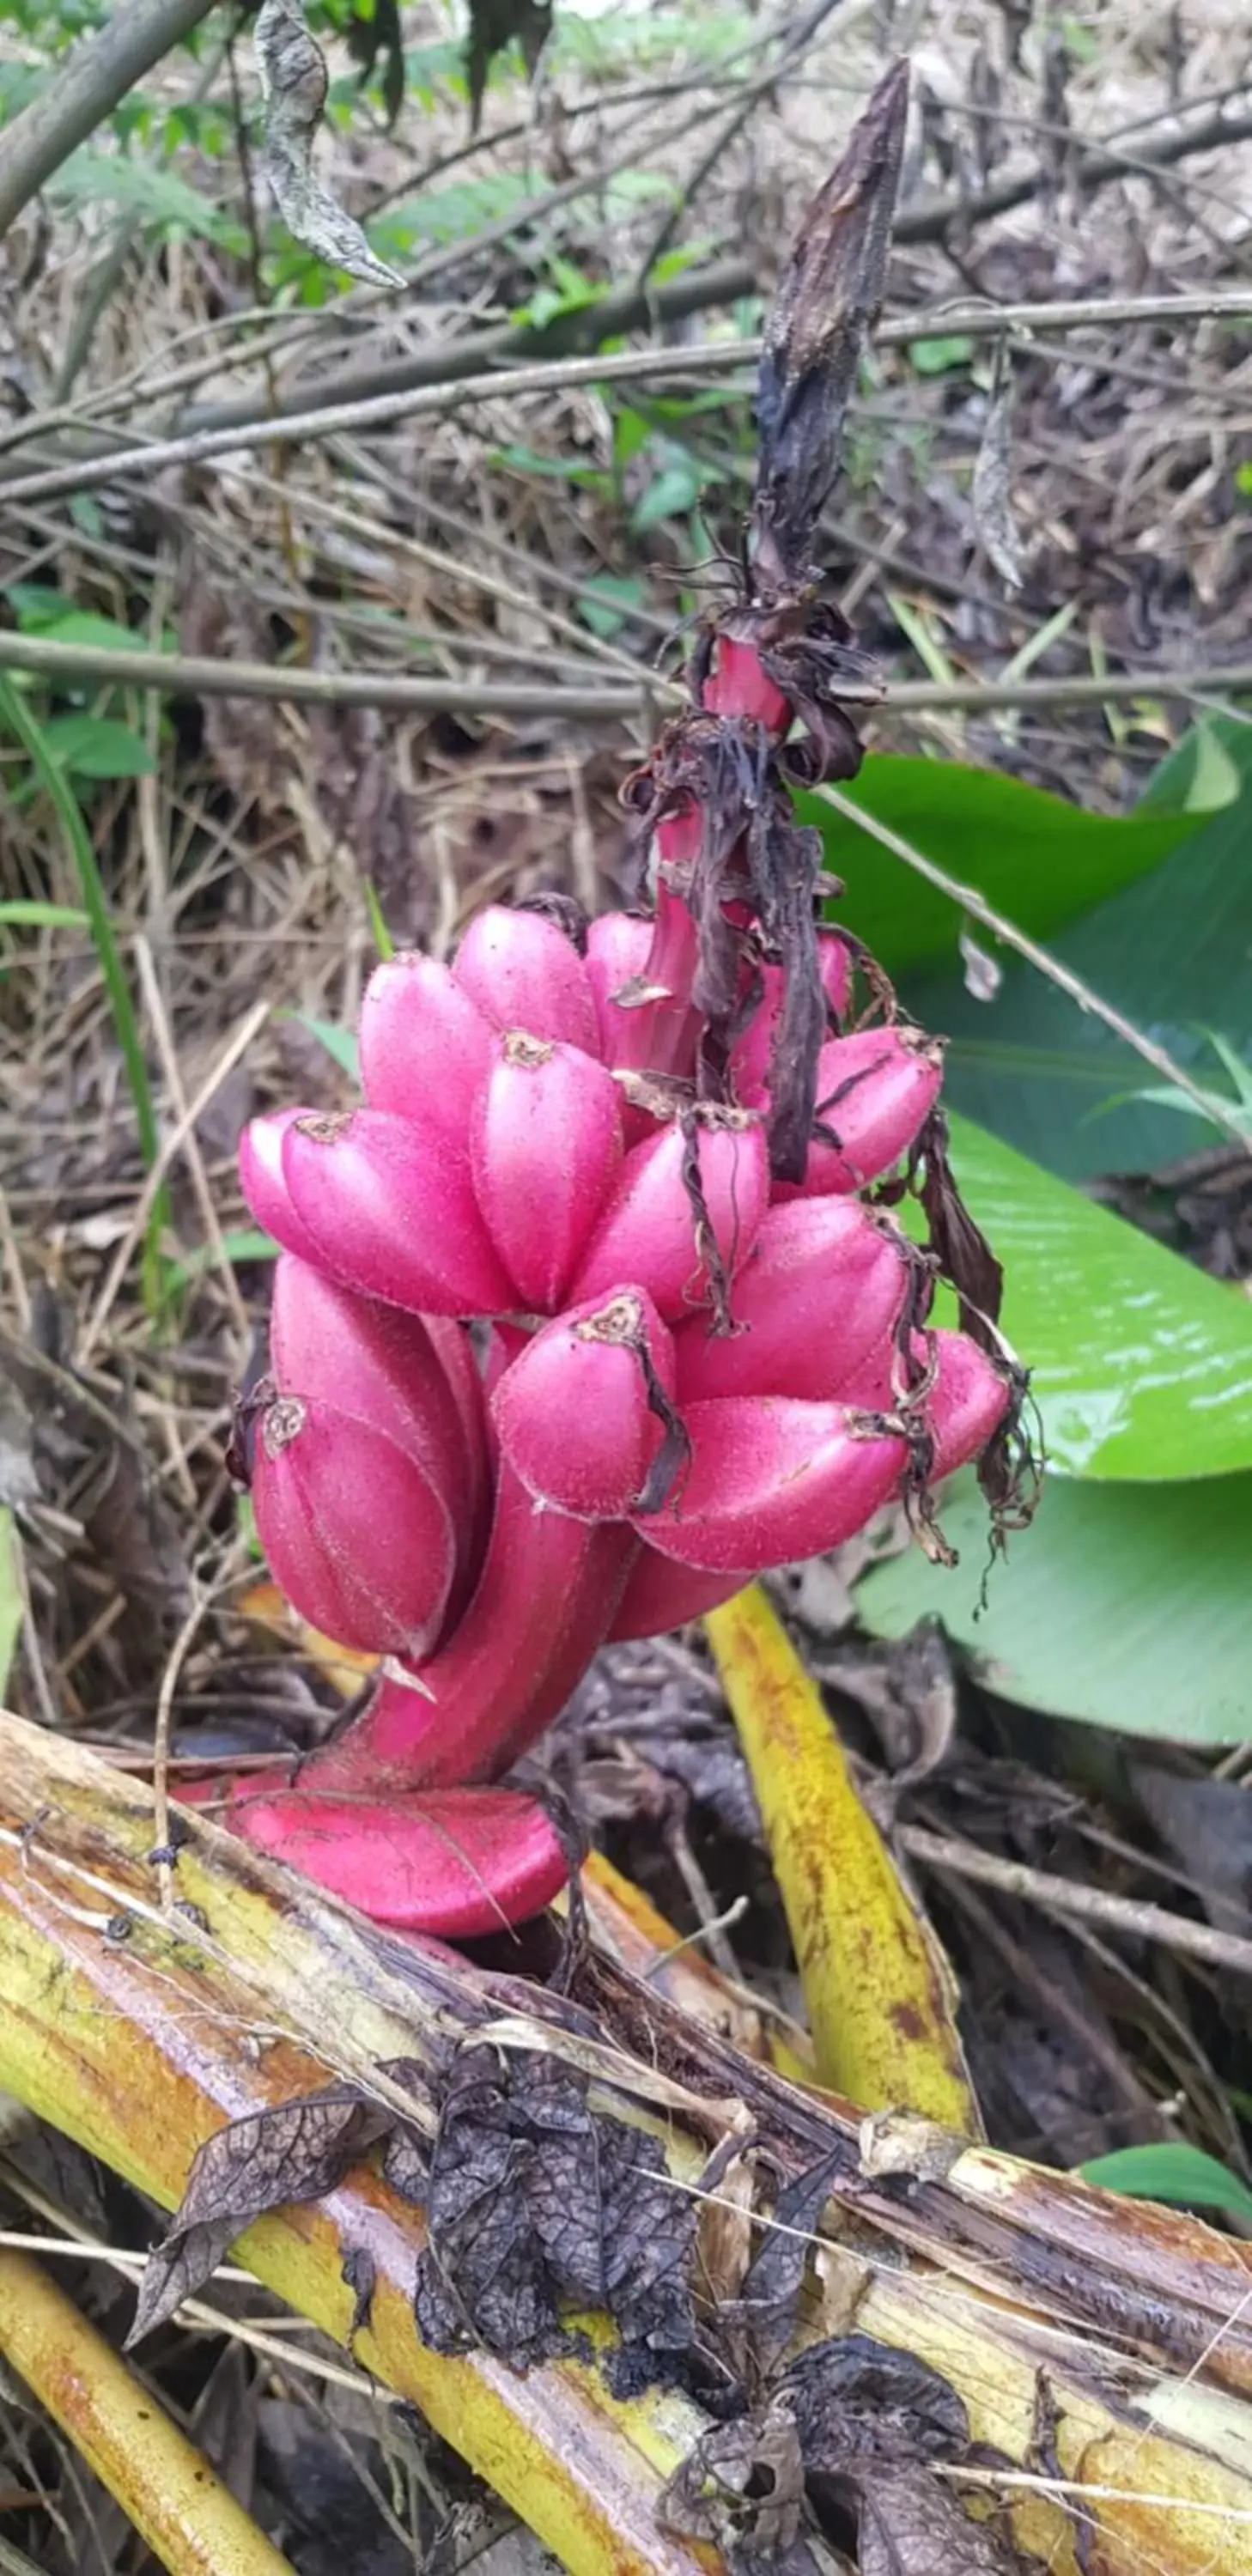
<point x="680" y="1371"/>
<point x="597" y="1306"/>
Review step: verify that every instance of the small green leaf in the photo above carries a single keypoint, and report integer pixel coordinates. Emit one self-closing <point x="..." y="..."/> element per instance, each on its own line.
<point x="615" y="595"/>
<point x="1199" y="776"/>
<point x="1174" y="2172"/>
<point x="339" y="1043"/>
<point x="936" y="357"/>
<point x="673" y="491"/>
<point x="1124" y="1606"/>
<point x="383" y="941"/>
<point x="97" y="747"/>
<point x="240" y="1244"/>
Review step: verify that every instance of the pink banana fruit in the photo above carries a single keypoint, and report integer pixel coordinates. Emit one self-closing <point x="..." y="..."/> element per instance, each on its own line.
<point x="545" y="1146"/>
<point x="738" y="686"/>
<point x="264" y="1185"/>
<point x="356" y="1533"/>
<point x="875" y="1092"/>
<point x="822" y="1286"/>
<point x="750" y="1054"/>
<point x="966" y="1404"/>
<point x="455" y="1862"/>
<point x="660" y="1595"/>
<point x="390" y="1210"/>
<point x="524" y="973"/>
<point x="545" y="1600"/>
<point x="414" y="1379"/>
<point x="651" y="1231"/>
<point x="425" y="1046"/>
<point x="585" y="1411"/>
<point x="773" y="1479"/>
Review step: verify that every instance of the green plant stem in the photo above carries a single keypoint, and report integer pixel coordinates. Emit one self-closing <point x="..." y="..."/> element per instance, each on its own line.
<point x="23" y="725"/>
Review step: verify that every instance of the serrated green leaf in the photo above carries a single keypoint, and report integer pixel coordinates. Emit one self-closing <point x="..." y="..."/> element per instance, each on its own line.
<point x="1141" y="1364"/>
<point x="1123" y="1606"/>
<point x="1169" y="2169"/>
<point x="1036" y="859"/>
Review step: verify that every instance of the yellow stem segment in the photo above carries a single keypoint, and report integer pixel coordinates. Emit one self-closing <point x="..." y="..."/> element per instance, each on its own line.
<point x="189" y="2519"/>
<point x="880" y="1995"/>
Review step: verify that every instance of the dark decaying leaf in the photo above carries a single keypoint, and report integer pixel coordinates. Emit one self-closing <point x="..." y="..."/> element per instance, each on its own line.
<point x="912" y="2525"/>
<point x="742" y="2488"/>
<point x="375" y="29"/>
<point x="762" y="2319"/>
<point x="816" y="332"/>
<point x="493" y="24"/>
<point x="297" y="2151"/>
<point x="536" y="2201"/>
<point x="856" y="2401"/>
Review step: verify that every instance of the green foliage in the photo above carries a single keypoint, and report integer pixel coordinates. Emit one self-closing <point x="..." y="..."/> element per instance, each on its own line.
<point x="10" y="1594"/>
<point x="139" y="187"/>
<point x="16" y="716"/>
<point x="20" y="915"/>
<point x="1142" y="1364"/>
<point x="96" y="747"/>
<point x="1035" y="858"/>
<point x="1123" y="1606"/>
<point x="1169" y="943"/>
<point x="339" y="1043"/>
<point x="1174" y="2172"/>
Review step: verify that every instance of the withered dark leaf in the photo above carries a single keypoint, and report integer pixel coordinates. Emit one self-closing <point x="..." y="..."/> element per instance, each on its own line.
<point x="855" y="2400"/>
<point x="817" y="329"/>
<point x="492" y="25"/>
<point x="535" y="2201"/>
<point x="295" y="2152"/>
<point x="913" y="2525"/>
<point x="406" y="2166"/>
<point x="961" y="1248"/>
<point x="764" y="2314"/>
<point x="741" y="2487"/>
<point x="375" y="29"/>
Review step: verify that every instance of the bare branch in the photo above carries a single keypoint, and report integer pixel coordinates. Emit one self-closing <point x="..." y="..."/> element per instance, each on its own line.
<point x="96" y="76"/>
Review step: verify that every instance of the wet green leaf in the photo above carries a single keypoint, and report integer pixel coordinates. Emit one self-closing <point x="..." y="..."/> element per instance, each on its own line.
<point x="1142" y="1364"/>
<point x="1038" y="860"/>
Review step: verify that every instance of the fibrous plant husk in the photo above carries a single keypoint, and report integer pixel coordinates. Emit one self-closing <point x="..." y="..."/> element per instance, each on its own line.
<point x="926" y="2322"/>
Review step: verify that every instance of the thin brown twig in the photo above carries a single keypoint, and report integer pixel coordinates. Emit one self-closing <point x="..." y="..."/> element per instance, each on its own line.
<point x="443" y="380"/>
<point x="1041" y="1887"/>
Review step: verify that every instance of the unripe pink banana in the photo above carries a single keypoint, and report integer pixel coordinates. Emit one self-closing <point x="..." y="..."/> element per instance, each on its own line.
<point x="660" y="1596"/>
<point x="454" y="1861"/>
<point x="545" y="1146"/>
<point x="390" y="1210"/>
<point x="263" y="1183"/>
<point x="652" y="1231"/>
<point x="773" y="1479"/>
<point x="822" y="1285"/>
<point x="875" y="1092"/>
<point x="618" y="947"/>
<point x="545" y="1600"/>
<point x="750" y="1054"/>
<point x="585" y="1411"/>
<point x="355" y="1532"/>
<point x="394" y="1372"/>
<point x="524" y="973"/>
<point x="966" y="1403"/>
<point x="738" y="686"/>
<point x="425" y="1045"/>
